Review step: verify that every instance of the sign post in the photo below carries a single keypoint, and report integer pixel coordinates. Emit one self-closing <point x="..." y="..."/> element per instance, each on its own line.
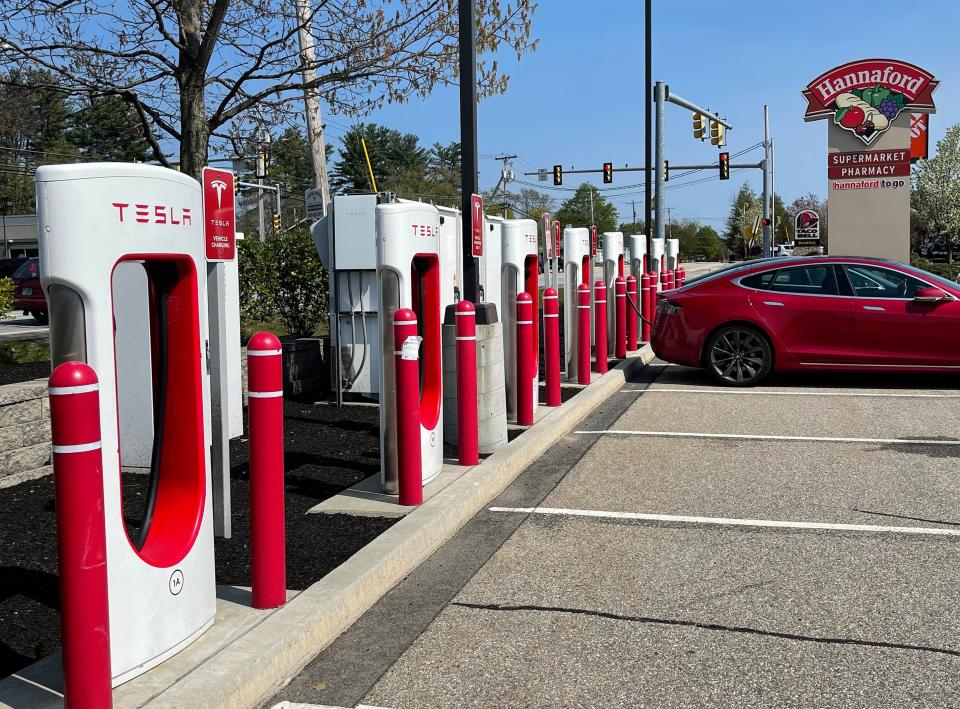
<point x="219" y="233"/>
<point x="557" y="260"/>
<point x="314" y="201"/>
<point x="547" y="248"/>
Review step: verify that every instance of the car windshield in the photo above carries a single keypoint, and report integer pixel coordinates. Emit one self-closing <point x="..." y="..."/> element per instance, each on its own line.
<point x="28" y="269"/>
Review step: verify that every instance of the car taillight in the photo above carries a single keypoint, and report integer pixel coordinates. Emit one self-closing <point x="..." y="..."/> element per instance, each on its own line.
<point x="667" y="307"/>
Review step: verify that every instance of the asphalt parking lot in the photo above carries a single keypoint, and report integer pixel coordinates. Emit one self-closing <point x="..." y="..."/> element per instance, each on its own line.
<point x="791" y="545"/>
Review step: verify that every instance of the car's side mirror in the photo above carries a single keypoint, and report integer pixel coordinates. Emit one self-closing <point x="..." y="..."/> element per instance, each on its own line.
<point x="930" y="294"/>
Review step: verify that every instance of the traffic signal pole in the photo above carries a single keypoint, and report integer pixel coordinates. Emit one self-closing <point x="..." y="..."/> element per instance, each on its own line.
<point x="647" y="116"/>
<point x="767" y="192"/>
<point x="468" y="143"/>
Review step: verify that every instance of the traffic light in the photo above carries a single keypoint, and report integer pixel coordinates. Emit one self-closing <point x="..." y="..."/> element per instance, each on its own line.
<point x="698" y="130"/>
<point x="724" y="166"/>
<point x="716" y="133"/>
<point x="557" y="175"/>
<point x="607" y="173"/>
<point x="276" y="222"/>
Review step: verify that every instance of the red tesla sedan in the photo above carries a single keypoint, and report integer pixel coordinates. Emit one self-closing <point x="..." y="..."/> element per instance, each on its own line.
<point x="790" y="314"/>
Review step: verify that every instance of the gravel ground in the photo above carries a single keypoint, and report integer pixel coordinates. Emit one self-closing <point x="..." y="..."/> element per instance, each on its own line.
<point x="327" y="451"/>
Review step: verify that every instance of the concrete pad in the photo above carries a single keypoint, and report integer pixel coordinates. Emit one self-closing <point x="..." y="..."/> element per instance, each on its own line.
<point x="802" y="416"/>
<point x="824" y="482"/>
<point x="366" y="498"/>
<point x="40" y="686"/>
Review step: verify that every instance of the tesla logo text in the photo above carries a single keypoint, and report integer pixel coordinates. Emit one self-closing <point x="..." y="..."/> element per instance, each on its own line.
<point x="153" y="213"/>
<point x="424" y="230"/>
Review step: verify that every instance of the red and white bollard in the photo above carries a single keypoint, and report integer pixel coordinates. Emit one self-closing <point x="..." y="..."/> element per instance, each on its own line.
<point x="645" y="307"/>
<point x="407" y="367"/>
<point x="526" y="362"/>
<point x="268" y="558"/>
<point x="620" y="327"/>
<point x="468" y="427"/>
<point x="681" y="275"/>
<point x="551" y="345"/>
<point x="632" y="305"/>
<point x="583" y="334"/>
<point x="652" y="299"/>
<point x="600" y="325"/>
<point x="668" y="280"/>
<point x="81" y="535"/>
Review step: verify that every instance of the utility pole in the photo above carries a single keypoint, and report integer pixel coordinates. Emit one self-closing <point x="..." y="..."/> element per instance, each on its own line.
<point x="505" y="176"/>
<point x="311" y="100"/>
<point x="633" y="206"/>
<point x="648" y="116"/>
<point x="767" y="199"/>
<point x="670" y="221"/>
<point x="660" y="90"/>
<point x="468" y="143"/>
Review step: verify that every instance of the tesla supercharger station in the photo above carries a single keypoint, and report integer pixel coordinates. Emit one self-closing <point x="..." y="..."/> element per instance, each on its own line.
<point x="408" y="276"/>
<point x="128" y="240"/>
<point x="672" y="247"/>
<point x="451" y="256"/>
<point x="637" y="244"/>
<point x="612" y="267"/>
<point x="520" y="272"/>
<point x="577" y="269"/>
<point x="655" y="262"/>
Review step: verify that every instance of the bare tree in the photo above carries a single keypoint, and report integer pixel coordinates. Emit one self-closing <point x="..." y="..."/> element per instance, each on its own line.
<point x="202" y="70"/>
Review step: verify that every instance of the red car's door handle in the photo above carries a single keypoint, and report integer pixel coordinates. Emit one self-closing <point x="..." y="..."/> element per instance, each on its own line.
<point x="773" y="302"/>
<point x="874" y="307"/>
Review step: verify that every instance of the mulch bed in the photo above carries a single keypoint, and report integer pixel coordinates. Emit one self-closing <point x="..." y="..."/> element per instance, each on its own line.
<point x="327" y="451"/>
<point x="17" y="373"/>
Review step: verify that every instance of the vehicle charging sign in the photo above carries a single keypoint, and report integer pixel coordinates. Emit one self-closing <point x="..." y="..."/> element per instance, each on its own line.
<point x="556" y="238"/>
<point x="476" y="205"/>
<point x="547" y="237"/>
<point x="219" y="214"/>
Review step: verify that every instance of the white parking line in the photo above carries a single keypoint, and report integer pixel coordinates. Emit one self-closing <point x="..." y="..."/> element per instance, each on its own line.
<point x="755" y="392"/>
<point x="728" y="522"/>
<point x="762" y="437"/>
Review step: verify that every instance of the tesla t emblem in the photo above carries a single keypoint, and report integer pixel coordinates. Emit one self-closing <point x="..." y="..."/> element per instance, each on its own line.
<point x="176" y="582"/>
<point x="219" y="186"/>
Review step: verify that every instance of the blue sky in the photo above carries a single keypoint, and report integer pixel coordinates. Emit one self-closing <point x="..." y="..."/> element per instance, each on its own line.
<point x="578" y="99"/>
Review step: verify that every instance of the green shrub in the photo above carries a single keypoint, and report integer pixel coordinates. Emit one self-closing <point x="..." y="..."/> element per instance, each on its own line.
<point x="282" y="279"/>
<point x="6" y="296"/>
<point x="950" y="271"/>
<point x="300" y="299"/>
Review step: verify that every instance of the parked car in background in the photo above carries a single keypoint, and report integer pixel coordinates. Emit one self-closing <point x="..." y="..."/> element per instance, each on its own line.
<point x="810" y="313"/>
<point x="28" y="294"/>
<point x="9" y="265"/>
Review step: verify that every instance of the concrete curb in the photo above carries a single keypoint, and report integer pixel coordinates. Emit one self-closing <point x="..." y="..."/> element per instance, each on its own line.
<point x="254" y="667"/>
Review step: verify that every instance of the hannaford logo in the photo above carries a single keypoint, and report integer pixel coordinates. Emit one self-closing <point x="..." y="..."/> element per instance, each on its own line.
<point x="864" y="97"/>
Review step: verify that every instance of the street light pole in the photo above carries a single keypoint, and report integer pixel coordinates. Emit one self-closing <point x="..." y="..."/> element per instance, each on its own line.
<point x="648" y="116"/>
<point x="468" y="144"/>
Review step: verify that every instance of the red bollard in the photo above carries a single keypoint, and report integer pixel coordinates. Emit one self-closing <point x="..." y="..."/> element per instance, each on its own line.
<point x="668" y="280"/>
<point x="620" y="327"/>
<point x="645" y="307"/>
<point x="468" y="427"/>
<point x="526" y="362"/>
<point x="632" y="305"/>
<point x="652" y="305"/>
<point x="600" y="325"/>
<point x="583" y="334"/>
<point x="681" y="276"/>
<point x="407" y="355"/>
<point x="551" y="345"/>
<point x="268" y="559"/>
<point x="81" y="536"/>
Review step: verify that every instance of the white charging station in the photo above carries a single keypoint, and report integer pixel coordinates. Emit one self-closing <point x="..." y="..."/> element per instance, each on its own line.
<point x="577" y="269"/>
<point x="408" y="276"/>
<point x="491" y="262"/>
<point x="613" y="265"/>
<point x="121" y="242"/>
<point x="637" y="243"/>
<point x="520" y="272"/>
<point x="672" y="253"/>
<point x="656" y="261"/>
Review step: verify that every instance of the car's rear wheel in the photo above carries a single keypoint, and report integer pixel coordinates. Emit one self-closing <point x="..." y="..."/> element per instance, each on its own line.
<point x="39" y="316"/>
<point x="738" y="355"/>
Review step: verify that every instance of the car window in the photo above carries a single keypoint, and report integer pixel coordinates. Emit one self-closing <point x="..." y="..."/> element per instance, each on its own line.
<point x="28" y="269"/>
<point x="805" y="280"/>
<point x="874" y="282"/>
<point x="760" y="281"/>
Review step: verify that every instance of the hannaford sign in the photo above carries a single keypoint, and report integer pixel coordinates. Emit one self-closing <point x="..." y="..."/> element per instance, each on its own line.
<point x="864" y="97"/>
<point x="870" y="102"/>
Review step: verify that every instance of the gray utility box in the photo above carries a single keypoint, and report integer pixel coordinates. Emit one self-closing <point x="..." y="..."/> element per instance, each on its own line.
<point x="491" y="384"/>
